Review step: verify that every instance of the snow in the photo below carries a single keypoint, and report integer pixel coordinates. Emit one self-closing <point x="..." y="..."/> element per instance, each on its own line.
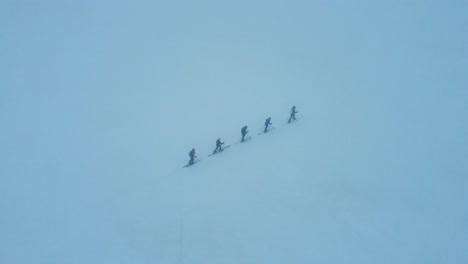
<point x="101" y="103"/>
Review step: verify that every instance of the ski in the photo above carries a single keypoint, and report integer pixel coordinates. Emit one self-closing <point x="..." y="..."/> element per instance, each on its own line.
<point x="245" y="139"/>
<point x="188" y="165"/>
<point x="263" y="131"/>
<point x="219" y="151"/>
<point x="292" y="121"/>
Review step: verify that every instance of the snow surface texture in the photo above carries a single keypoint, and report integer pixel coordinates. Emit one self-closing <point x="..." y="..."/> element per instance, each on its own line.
<point x="100" y="103"/>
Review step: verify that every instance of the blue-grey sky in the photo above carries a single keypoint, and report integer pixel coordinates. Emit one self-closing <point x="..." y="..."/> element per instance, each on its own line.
<point x="100" y="102"/>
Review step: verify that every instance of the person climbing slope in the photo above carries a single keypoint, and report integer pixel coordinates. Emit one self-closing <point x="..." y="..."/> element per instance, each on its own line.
<point x="267" y="123"/>
<point x="293" y="114"/>
<point x="244" y="132"/>
<point x="218" y="145"/>
<point x="192" y="156"/>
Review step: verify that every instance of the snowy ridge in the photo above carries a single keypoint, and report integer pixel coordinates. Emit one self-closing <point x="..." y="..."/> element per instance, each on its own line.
<point x="248" y="138"/>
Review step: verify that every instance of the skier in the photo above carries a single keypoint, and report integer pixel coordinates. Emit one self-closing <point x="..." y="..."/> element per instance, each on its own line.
<point x="293" y="114"/>
<point x="267" y="123"/>
<point x="218" y="145"/>
<point x="244" y="132"/>
<point x="192" y="156"/>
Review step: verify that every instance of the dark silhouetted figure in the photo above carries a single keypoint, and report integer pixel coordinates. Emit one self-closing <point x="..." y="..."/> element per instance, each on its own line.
<point x="218" y="145"/>
<point x="293" y="114"/>
<point x="192" y="156"/>
<point x="244" y="132"/>
<point x="267" y="123"/>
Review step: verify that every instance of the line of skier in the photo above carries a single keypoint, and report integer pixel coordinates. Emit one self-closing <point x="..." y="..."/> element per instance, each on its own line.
<point x="244" y="131"/>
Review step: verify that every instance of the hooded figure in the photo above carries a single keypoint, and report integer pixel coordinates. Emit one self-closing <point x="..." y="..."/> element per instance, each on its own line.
<point x="218" y="145"/>
<point x="267" y="123"/>
<point x="244" y="132"/>
<point x="192" y="156"/>
<point x="293" y="114"/>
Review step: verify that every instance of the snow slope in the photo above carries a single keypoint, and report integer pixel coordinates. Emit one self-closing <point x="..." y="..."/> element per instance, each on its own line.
<point x="302" y="195"/>
<point x="100" y="103"/>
